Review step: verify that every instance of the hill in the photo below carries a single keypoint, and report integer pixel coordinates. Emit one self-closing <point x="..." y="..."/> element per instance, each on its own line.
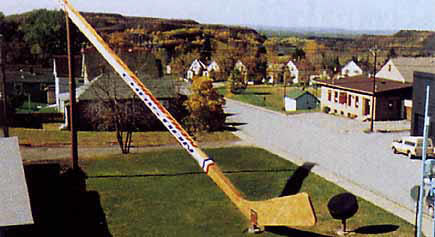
<point x="39" y="34"/>
<point x="271" y="31"/>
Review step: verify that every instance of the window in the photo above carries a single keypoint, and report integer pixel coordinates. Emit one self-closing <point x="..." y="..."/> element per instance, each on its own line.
<point x="335" y="96"/>
<point x="389" y="67"/>
<point x="329" y="95"/>
<point x="343" y="98"/>
<point x="390" y="105"/>
<point x="356" y="101"/>
<point x="19" y="88"/>
<point x="349" y="100"/>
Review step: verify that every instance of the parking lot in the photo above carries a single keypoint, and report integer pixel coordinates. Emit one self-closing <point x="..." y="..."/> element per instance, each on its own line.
<point x="339" y="146"/>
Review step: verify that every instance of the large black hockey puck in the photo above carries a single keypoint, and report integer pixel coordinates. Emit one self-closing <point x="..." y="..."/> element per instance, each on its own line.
<point x="343" y="206"/>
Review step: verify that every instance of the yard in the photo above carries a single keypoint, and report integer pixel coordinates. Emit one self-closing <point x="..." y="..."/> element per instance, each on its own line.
<point x="164" y="194"/>
<point x="51" y="136"/>
<point x="270" y="97"/>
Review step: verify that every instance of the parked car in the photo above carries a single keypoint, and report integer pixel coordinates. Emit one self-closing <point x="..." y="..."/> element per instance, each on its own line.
<point x="412" y="146"/>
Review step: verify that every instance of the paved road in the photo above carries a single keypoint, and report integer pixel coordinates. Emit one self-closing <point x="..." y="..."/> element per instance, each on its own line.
<point x="360" y="162"/>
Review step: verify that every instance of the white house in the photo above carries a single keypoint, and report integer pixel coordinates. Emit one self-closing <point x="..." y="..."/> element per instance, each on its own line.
<point x="294" y="71"/>
<point x="402" y="69"/>
<point x="197" y="68"/>
<point x="213" y="67"/>
<point x="241" y="67"/>
<point x="61" y="79"/>
<point x="351" y="69"/>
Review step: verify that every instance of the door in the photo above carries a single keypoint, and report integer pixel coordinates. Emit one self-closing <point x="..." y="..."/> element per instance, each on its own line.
<point x="366" y="108"/>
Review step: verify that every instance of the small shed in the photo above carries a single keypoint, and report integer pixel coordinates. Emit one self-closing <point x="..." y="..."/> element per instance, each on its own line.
<point x="298" y="100"/>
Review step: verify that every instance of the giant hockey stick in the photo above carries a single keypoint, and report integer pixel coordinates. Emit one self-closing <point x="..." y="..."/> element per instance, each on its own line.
<point x="295" y="210"/>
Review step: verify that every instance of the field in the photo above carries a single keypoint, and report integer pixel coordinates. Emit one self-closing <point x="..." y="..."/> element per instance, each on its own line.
<point x="164" y="194"/>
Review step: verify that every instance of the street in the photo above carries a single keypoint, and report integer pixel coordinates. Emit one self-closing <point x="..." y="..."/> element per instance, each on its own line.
<point x="361" y="162"/>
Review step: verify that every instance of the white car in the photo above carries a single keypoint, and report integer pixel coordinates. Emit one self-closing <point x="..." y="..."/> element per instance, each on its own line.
<point x="412" y="146"/>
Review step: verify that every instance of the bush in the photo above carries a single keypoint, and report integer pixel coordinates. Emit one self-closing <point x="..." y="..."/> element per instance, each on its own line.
<point x="326" y="109"/>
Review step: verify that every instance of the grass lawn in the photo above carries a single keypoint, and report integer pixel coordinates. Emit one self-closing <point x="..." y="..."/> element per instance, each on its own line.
<point x="270" y="97"/>
<point x="165" y="194"/>
<point x="29" y="107"/>
<point x="53" y="137"/>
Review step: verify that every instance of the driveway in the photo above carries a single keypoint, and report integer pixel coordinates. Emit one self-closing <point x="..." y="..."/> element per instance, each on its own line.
<point x="361" y="162"/>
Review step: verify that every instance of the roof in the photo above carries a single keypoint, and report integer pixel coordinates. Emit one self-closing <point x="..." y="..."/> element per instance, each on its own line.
<point x="363" y="84"/>
<point x="351" y="63"/>
<point x="110" y="85"/>
<point x="199" y="63"/>
<point x="294" y="94"/>
<point x="61" y="65"/>
<point x="141" y="62"/>
<point x="407" y="66"/>
<point x="28" y="77"/>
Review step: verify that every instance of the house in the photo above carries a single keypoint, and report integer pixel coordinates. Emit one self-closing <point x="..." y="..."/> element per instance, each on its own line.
<point x="214" y="71"/>
<point x="299" y="100"/>
<point x="294" y="71"/>
<point x="197" y="68"/>
<point x="213" y="67"/>
<point x="28" y="82"/>
<point x="351" y="69"/>
<point x="352" y="97"/>
<point x="402" y="69"/>
<point x="275" y="73"/>
<point x="61" y="77"/>
<point x="93" y="66"/>
<point x="241" y="67"/>
<point x="170" y="92"/>
<point x="421" y="79"/>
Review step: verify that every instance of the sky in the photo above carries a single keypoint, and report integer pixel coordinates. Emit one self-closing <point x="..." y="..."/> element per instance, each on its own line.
<point x="343" y="14"/>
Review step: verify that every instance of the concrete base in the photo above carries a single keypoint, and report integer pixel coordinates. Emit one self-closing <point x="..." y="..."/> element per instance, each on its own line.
<point x="255" y="230"/>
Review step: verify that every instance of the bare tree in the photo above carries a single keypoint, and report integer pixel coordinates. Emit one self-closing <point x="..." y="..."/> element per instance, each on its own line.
<point x="115" y="107"/>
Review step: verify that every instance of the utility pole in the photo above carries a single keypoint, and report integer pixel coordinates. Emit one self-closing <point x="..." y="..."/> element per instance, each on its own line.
<point x="423" y="161"/>
<point x="72" y="93"/>
<point x="3" y="101"/>
<point x="374" y="51"/>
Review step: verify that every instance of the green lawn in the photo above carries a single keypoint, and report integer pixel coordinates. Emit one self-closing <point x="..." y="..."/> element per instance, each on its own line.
<point x="270" y="97"/>
<point x="29" y="107"/>
<point x="51" y="136"/>
<point x="165" y="194"/>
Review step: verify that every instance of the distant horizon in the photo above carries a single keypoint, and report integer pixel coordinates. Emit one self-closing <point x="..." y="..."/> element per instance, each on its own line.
<point x="367" y="15"/>
<point x="248" y="25"/>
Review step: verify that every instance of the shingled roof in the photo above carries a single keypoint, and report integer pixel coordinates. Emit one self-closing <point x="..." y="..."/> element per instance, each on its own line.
<point x="109" y="85"/>
<point x="141" y="62"/>
<point x="28" y="77"/>
<point x="363" y="84"/>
